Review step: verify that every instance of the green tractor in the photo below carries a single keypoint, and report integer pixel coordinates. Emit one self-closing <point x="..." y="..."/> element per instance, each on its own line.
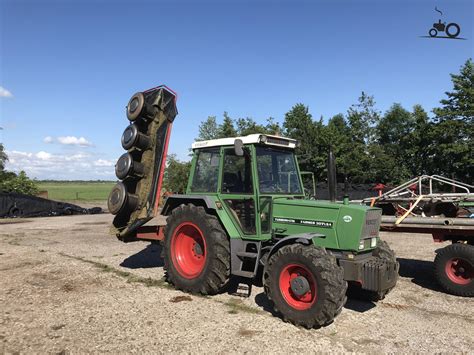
<point x="245" y="215"/>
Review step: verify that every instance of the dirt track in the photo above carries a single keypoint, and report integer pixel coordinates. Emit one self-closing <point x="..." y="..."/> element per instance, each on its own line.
<point x="66" y="285"/>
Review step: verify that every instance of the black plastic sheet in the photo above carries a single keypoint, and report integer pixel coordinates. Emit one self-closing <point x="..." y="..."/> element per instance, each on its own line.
<point x="19" y="205"/>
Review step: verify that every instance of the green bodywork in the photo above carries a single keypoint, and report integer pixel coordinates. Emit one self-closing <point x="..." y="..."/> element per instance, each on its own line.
<point x="336" y="226"/>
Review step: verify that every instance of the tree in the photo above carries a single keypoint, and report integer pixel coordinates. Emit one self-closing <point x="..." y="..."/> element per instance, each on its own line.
<point x="11" y="182"/>
<point x="393" y="134"/>
<point x="208" y="129"/>
<point x="272" y="127"/>
<point x="460" y="102"/>
<point x="227" y="129"/>
<point x="452" y="151"/>
<point x="246" y="126"/>
<point x="176" y="175"/>
<point x="338" y="136"/>
<point x="453" y="132"/>
<point x="362" y="119"/>
<point x="419" y="153"/>
<point x="298" y="124"/>
<point x="21" y="183"/>
<point x="382" y="166"/>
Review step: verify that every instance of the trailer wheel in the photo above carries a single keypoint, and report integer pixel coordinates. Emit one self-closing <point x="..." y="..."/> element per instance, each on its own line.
<point x="305" y="285"/>
<point x="454" y="269"/>
<point x="384" y="252"/>
<point x="196" y="251"/>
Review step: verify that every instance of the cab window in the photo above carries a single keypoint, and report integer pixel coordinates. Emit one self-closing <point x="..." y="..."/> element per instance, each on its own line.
<point x="237" y="184"/>
<point x="206" y="171"/>
<point x="237" y="173"/>
<point x="277" y="171"/>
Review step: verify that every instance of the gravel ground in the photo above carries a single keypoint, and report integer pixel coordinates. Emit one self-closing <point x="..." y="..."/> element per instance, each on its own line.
<point x="68" y="286"/>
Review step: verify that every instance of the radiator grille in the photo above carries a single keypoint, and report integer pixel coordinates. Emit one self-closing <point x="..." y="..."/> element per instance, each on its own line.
<point x="372" y="224"/>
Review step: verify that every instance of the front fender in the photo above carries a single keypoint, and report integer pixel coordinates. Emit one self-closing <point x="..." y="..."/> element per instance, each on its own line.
<point x="303" y="238"/>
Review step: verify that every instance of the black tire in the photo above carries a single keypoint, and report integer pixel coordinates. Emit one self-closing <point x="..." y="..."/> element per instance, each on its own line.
<point x="135" y="106"/>
<point x="444" y="258"/>
<point x="15" y="212"/>
<point x="330" y="290"/>
<point x="216" y="269"/>
<point x="384" y="252"/>
<point x="455" y="34"/>
<point x="433" y="32"/>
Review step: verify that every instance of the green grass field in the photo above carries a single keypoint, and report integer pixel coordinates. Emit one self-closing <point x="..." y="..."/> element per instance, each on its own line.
<point x="77" y="190"/>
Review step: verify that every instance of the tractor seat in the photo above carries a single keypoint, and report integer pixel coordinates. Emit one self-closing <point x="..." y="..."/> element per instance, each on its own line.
<point x="232" y="183"/>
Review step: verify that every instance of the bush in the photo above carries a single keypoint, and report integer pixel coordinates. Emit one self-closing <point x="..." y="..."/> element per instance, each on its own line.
<point x="176" y="175"/>
<point x="11" y="182"/>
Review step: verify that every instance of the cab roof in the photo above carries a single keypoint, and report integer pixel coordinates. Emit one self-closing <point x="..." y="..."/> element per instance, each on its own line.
<point x="265" y="139"/>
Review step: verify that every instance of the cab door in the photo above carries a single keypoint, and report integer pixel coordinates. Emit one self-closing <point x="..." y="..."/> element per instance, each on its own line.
<point x="238" y="191"/>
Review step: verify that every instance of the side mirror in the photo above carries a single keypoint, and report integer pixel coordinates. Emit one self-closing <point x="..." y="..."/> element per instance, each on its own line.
<point x="239" y="147"/>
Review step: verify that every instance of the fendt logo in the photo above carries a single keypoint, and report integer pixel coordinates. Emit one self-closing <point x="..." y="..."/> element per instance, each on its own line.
<point x="451" y="30"/>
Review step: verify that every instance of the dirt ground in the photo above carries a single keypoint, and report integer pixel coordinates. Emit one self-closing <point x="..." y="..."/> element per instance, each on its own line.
<point x="66" y="285"/>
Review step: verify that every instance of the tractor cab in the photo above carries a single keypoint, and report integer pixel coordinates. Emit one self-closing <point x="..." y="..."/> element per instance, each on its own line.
<point x="245" y="175"/>
<point x="256" y="184"/>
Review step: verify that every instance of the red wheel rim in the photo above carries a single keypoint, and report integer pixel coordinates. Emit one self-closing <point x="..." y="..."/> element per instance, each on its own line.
<point x="459" y="271"/>
<point x="304" y="301"/>
<point x="188" y="250"/>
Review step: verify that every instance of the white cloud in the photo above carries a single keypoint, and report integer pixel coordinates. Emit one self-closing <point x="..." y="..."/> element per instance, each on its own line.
<point x="77" y="166"/>
<point x="103" y="162"/>
<point x="48" y="139"/>
<point x="43" y="155"/>
<point x="5" y="93"/>
<point x="72" y="140"/>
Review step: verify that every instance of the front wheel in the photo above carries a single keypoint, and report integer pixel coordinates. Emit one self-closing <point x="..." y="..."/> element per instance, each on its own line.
<point x="196" y="251"/>
<point x="305" y="285"/>
<point x="433" y="32"/>
<point x="454" y="269"/>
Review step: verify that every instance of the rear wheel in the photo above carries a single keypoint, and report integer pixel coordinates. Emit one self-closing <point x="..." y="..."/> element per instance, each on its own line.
<point x="454" y="269"/>
<point x="305" y="285"/>
<point x="196" y="251"/>
<point x="453" y="30"/>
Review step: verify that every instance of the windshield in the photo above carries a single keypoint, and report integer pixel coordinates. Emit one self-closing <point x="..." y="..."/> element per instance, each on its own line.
<point x="277" y="171"/>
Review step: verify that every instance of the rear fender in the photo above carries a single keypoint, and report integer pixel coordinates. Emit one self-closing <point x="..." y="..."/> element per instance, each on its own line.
<point x="208" y="203"/>
<point x="174" y="201"/>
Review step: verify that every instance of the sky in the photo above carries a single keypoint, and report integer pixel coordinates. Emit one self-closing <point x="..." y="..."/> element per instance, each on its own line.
<point x="68" y="68"/>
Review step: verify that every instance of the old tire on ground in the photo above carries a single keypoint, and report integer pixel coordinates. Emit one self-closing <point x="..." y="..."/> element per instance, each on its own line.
<point x="196" y="251"/>
<point x="384" y="252"/>
<point x="454" y="269"/>
<point x="305" y="285"/>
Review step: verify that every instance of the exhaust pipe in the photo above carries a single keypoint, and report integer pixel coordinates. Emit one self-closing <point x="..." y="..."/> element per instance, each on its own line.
<point x="331" y="176"/>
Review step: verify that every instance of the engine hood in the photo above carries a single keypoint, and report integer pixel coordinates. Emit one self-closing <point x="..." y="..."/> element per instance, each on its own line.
<point x="343" y="226"/>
